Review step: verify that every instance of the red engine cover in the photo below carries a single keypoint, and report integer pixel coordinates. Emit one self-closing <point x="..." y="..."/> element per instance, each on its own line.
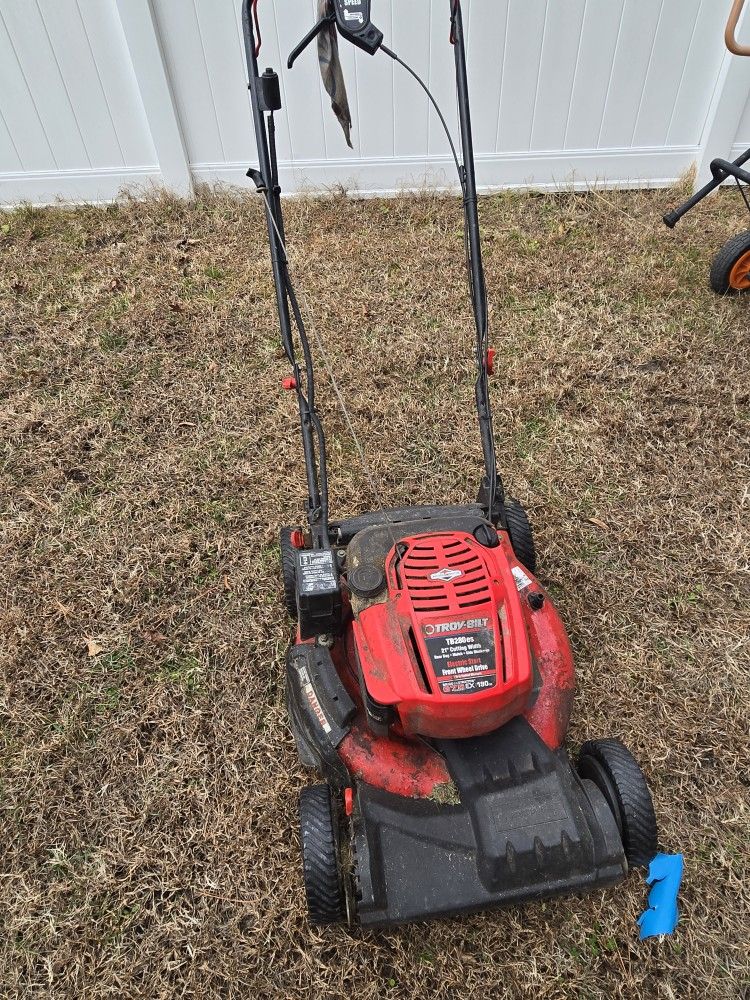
<point x="449" y="649"/>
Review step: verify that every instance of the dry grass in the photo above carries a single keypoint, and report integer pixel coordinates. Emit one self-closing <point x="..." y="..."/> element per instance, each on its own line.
<point x="149" y="844"/>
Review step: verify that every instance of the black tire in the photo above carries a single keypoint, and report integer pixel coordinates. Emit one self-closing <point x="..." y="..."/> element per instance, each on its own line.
<point x="616" y="774"/>
<point x="289" y="571"/>
<point x="521" y="535"/>
<point x="324" y="886"/>
<point x="723" y="263"/>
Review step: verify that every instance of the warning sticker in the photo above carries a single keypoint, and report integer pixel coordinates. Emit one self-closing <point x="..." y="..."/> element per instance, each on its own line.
<point x="462" y="654"/>
<point x="309" y="692"/>
<point x="522" y="581"/>
<point x="316" y="572"/>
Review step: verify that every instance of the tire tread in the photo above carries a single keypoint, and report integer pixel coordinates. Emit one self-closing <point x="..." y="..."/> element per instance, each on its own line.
<point x="323" y="887"/>
<point x="289" y="571"/>
<point x="521" y="535"/>
<point x="725" y="260"/>
<point x="639" y="829"/>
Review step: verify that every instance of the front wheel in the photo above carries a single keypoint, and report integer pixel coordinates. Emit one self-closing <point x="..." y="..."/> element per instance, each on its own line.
<point x="730" y="271"/>
<point x="615" y="772"/>
<point x="324" y="884"/>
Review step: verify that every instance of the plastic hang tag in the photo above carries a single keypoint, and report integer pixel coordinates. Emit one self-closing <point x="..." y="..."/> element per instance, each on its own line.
<point x="664" y="877"/>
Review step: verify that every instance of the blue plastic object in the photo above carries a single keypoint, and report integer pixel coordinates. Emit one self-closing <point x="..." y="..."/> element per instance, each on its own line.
<point x="664" y="877"/>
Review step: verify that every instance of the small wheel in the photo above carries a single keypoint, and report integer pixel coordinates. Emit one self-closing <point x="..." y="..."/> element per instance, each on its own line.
<point x="615" y="772"/>
<point x="730" y="271"/>
<point x="289" y="571"/>
<point x="521" y="535"/>
<point x="324" y="886"/>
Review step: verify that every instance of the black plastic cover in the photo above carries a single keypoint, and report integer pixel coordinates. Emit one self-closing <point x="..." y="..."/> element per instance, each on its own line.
<point x="320" y="710"/>
<point x="526" y="827"/>
<point x="318" y="592"/>
<point x="342" y="532"/>
<point x="353" y="22"/>
<point x="269" y="91"/>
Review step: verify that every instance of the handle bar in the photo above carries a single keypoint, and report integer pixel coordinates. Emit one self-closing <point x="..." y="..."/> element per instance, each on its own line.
<point x="730" y="35"/>
<point x="721" y="170"/>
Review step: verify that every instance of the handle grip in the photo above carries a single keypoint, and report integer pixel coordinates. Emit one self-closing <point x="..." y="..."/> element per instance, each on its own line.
<point x="730" y="35"/>
<point x="672" y="218"/>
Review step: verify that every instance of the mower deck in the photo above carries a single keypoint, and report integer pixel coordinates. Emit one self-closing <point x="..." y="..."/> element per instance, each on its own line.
<point x="439" y="826"/>
<point x="525" y="827"/>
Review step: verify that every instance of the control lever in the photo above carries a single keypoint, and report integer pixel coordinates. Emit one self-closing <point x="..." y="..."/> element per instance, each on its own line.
<point x="354" y="24"/>
<point x="309" y="37"/>
<point x="352" y="18"/>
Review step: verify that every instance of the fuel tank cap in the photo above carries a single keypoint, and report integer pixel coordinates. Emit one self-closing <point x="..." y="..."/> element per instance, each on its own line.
<point x="366" y="580"/>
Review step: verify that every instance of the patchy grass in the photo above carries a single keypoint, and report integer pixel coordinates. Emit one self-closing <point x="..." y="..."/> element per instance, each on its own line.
<point x="149" y="780"/>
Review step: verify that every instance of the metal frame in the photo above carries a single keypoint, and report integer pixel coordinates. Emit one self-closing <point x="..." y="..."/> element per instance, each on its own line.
<point x="265" y="101"/>
<point x="721" y="170"/>
<point x="267" y="182"/>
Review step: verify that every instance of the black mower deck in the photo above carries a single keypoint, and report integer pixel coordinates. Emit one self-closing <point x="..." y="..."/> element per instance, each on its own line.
<point x="527" y="827"/>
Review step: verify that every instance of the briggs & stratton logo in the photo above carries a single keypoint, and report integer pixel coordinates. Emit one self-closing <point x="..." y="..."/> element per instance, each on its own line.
<point x="446" y="575"/>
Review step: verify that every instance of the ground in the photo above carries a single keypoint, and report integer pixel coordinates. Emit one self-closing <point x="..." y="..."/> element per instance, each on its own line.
<point x="149" y="456"/>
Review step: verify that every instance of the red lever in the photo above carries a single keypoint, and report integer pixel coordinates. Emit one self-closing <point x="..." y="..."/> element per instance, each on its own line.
<point x="348" y="801"/>
<point x="257" y="28"/>
<point x="298" y="539"/>
<point x="491" y="361"/>
<point x="290" y="383"/>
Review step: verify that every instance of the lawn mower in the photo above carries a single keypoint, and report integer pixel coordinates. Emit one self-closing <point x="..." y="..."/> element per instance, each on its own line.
<point x="730" y="270"/>
<point x="430" y="681"/>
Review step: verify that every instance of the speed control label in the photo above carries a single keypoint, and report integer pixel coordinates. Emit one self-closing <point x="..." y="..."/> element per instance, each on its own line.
<point x="462" y="654"/>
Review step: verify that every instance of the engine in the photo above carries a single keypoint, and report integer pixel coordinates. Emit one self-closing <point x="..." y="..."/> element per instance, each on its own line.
<point x="445" y="652"/>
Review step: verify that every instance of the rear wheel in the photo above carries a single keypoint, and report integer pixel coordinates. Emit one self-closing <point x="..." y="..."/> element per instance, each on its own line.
<point x="730" y="271"/>
<point x="324" y="885"/>
<point x="289" y="571"/>
<point x="615" y="772"/>
<point x="521" y="535"/>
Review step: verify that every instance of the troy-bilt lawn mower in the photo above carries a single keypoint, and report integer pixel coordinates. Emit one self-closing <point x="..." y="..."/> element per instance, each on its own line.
<point x="431" y="680"/>
<point x="730" y="270"/>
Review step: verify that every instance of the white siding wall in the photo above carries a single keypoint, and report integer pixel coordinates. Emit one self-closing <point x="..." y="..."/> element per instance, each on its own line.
<point x="100" y="94"/>
<point x="743" y="133"/>
<point x="71" y="118"/>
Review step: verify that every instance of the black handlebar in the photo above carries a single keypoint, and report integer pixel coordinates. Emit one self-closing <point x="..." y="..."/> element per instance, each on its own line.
<point x="721" y="170"/>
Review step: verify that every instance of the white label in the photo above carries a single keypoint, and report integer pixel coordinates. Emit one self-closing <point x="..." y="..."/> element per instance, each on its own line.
<point x="316" y="572"/>
<point x="521" y="579"/>
<point x="309" y="692"/>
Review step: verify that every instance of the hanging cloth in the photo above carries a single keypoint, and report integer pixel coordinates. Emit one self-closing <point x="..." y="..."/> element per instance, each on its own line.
<point x="330" y="70"/>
